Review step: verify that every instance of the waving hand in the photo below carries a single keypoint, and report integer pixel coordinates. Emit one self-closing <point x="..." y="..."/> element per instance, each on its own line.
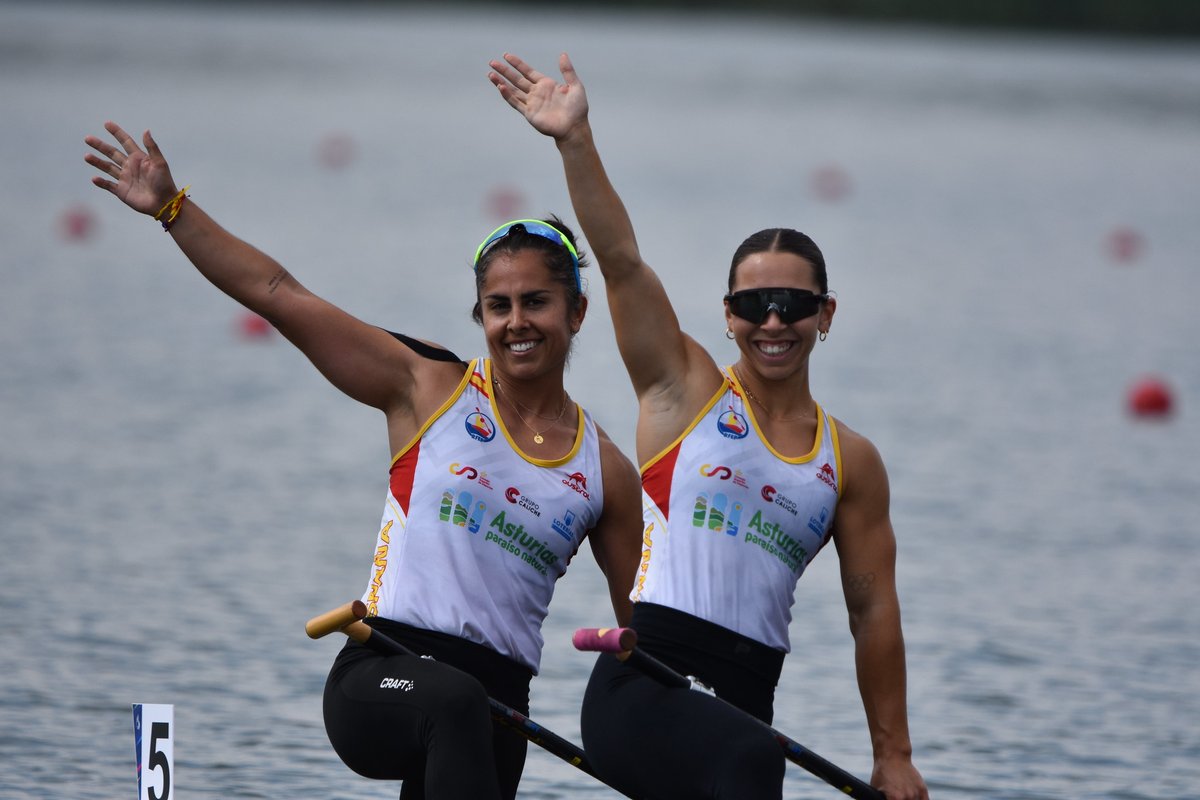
<point x="143" y="179"/>
<point x="552" y="108"/>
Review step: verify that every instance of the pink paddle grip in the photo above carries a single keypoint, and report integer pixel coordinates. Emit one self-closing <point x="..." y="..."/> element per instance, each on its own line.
<point x="605" y="640"/>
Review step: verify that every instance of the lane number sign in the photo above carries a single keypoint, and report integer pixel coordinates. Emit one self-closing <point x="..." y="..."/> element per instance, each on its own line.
<point x="154" y="740"/>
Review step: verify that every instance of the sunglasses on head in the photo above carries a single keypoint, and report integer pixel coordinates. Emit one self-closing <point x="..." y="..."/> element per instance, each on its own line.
<point x="537" y="228"/>
<point x="792" y="305"/>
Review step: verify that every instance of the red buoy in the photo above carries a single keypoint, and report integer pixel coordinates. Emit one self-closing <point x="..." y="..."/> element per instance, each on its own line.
<point x="1125" y="245"/>
<point x="1151" y="397"/>
<point x="77" y="223"/>
<point x="252" y="326"/>
<point x="336" y="150"/>
<point x="504" y="203"/>
<point x="831" y="183"/>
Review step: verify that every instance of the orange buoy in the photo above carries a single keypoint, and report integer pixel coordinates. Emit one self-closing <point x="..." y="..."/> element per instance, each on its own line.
<point x="1151" y="397"/>
<point x="252" y="326"/>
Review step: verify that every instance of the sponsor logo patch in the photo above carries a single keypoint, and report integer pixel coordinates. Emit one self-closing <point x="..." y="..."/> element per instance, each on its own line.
<point x="471" y="474"/>
<point x="480" y="427"/>
<point x="513" y="495"/>
<point x="578" y="482"/>
<point x="732" y="425"/>
<point x="827" y="475"/>
<point x="565" y="527"/>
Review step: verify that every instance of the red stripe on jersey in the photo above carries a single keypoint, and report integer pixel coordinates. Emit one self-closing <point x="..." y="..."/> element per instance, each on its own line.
<point x="656" y="480"/>
<point x="403" y="473"/>
<point x="480" y="384"/>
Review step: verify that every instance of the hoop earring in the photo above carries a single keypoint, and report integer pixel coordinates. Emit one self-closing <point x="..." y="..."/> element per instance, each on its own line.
<point x="823" y="335"/>
<point x="728" y="333"/>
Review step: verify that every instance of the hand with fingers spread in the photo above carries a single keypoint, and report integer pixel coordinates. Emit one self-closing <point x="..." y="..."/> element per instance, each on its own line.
<point x="552" y="108"/>
<point x="143" y="179"/>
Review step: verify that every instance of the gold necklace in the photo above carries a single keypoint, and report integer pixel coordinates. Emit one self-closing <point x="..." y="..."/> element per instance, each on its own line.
<point x="763" y="406"/>
<point x="517" y="406"/>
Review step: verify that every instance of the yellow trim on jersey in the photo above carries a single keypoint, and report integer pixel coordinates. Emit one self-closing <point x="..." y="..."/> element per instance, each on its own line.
<point x="809" y="456"/>
<point x="696" y="421"/>
<point x="537" y="462"/>
<point x="451" y="400"/>
<point x="837" y="454"/>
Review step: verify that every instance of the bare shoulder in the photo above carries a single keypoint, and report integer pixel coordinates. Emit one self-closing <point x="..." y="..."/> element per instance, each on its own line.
<point x="426" y="384"/>
<point x="619" y="471"/>
<point x="862" y="464"/>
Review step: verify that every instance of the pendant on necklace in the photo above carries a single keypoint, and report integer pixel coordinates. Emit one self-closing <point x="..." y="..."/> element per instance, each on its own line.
<point x="537" y="438"/>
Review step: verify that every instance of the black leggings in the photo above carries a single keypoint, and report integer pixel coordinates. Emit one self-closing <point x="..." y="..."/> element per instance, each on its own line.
<point x="426" y="722"/>
<point x="659" y="743"/>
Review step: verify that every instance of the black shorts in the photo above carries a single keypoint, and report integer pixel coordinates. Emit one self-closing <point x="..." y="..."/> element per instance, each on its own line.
<point x="426" y="721"/>
<point x="659" y="743"/>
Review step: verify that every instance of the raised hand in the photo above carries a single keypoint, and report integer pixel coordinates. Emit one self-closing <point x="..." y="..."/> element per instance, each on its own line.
<point x="552" y="108"/>
<point x="143" y="179"/>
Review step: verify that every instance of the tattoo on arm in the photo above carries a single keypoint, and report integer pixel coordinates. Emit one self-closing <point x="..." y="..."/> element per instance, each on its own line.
<point x="860" y="583"/>
<point x="276" y="279"/>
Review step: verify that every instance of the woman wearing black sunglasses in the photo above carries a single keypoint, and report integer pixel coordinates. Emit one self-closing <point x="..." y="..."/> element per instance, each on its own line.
<point x="497" y="478"/>
<point x="744" y="479"/>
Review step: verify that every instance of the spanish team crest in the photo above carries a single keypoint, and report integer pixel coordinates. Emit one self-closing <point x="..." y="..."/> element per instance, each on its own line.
<point x="480" y="427"/>
<point x="732" y="425"/>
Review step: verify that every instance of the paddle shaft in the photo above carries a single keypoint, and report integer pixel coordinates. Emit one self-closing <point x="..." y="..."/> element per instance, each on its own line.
<point x="348" y="619"/>
<point x="623" y="643"/>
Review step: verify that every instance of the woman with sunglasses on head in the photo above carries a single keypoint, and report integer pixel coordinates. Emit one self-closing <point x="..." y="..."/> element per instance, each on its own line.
<point x="745" y="478"/>
<point x="497" y="478"/>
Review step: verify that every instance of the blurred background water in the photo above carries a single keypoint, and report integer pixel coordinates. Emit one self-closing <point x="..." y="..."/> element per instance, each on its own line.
<point x="1011" y="226"/>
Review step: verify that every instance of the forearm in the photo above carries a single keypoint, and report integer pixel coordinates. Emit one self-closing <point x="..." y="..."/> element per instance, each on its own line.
<point x="882" y="682"/>
<point x="597" y="205"/>
<point x="237" y="268"/>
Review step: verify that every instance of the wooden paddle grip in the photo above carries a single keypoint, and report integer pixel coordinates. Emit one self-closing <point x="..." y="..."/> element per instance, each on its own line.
<point x="336" y="620"/>
<point x="605" y="640"/>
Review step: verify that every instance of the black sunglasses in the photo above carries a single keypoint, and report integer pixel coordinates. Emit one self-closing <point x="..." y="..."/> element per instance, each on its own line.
<point x="792" y="305"/>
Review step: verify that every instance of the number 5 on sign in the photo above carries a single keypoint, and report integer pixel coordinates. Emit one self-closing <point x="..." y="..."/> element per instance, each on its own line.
<point x="154" y="738"/>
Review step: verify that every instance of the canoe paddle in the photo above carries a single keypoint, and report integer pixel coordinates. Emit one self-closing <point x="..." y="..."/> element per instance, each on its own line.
<point x="348" y="620"/>
<point x="623" y="643"/>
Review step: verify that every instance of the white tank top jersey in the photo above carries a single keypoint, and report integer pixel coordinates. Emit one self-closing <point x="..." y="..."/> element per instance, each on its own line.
<point x="475" y="532"/>
<point x="730" y="524"/>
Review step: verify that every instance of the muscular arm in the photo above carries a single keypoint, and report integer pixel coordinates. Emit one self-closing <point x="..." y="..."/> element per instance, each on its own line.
<point x="672" y="375"/>
<point x="866" y="548"/>
<point x="363" y="361"/>
<point x="617" y="538"/>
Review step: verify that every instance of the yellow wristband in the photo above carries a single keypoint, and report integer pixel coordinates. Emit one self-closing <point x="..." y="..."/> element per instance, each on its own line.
<point x="167" y="214"/>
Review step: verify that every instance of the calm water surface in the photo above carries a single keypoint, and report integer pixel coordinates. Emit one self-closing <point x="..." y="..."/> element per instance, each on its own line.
<point x="177" y="499"/>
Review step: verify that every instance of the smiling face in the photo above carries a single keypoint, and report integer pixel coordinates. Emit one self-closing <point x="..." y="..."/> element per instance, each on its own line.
<point x="773" y="348"/>
<point x="525" y="314"/>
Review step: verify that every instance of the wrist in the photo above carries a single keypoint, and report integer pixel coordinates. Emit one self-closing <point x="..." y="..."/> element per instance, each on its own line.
<point x="171" y="208"/>
<point x="884" y="755"/>
<point x="577" y="136"/>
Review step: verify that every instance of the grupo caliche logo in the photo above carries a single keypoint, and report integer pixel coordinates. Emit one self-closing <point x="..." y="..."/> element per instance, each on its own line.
<point x="513" y="495"/>
<point x="772" y="495"/>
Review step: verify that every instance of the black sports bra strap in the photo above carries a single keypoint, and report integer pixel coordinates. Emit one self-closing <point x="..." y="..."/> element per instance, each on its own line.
<point x="428" y="351"/>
